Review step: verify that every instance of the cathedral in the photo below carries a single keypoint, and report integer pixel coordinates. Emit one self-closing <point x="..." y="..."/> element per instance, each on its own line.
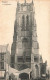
<point x="25" y="47"/>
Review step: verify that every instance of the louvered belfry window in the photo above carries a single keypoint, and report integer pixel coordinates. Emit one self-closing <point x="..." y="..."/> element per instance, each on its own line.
<point x="23" y="22"/>
<point x="27" y="22"/>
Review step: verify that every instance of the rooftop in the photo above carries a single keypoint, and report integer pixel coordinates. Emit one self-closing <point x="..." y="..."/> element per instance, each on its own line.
<point x="3" y="48"/>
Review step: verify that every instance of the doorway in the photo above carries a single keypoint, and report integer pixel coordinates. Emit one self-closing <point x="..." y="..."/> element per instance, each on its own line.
<point x="24" y="76"/>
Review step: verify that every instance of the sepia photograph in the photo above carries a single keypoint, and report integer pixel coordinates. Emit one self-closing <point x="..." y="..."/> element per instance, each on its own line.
<point x="24" y="39"/>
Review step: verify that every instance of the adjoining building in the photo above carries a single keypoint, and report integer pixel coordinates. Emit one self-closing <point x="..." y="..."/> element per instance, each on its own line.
<point x="4" y="62"/>
<point x="25" y="47"/>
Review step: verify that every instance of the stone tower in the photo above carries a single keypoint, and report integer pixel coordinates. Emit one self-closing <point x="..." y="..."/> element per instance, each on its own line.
<point x="25" y="43"/>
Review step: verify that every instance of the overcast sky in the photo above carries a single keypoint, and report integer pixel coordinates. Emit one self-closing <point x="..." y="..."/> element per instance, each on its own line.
<point x="42" y="16"/>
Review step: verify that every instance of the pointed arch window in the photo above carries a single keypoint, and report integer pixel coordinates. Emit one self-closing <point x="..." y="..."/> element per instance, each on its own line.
<point x="25" y="44"/>
<point x="23" y="22"/>
<point x="27" y="22"/>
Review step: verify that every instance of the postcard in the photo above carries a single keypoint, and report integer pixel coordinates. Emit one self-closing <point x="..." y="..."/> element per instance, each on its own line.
<point x="24" y="39"/>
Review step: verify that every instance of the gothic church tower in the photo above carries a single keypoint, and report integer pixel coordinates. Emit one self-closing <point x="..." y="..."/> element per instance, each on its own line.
<point x="25" y="37"/>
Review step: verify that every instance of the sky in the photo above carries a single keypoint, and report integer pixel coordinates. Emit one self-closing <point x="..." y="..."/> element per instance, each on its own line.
<point x="42" y="16"/>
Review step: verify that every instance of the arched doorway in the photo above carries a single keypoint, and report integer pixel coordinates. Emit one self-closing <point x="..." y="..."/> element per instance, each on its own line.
<point x="37" y="71"/>
<point x="24" y="76"/>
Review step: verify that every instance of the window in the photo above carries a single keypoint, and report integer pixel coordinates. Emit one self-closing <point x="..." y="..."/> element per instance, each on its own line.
<point x="28" y="59"/>
<point x="20" y="59"/>
<point x="23" y="22"/>
<point x="25" y="47"/>
<point x="43" y="68"/>
<point x="24" y="8"/>
<point x="12" y="59"/>
<point x="25" y="44"/>
<point x="2" y="56"/>
<point x="2" y="65"/>
<point x="27" y="22"/>
<point x="35" y="59"/>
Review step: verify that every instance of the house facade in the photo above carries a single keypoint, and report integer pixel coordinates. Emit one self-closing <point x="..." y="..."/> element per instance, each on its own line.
<point x="4" y="61"/>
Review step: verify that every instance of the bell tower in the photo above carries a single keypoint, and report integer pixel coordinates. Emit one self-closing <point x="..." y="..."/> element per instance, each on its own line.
<point x="25" y="37"/>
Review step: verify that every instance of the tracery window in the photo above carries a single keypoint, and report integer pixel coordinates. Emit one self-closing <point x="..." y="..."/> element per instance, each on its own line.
<point x="27" y="22"/>
<point x="23" y="22"/>
<point x="25" y="44"/>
